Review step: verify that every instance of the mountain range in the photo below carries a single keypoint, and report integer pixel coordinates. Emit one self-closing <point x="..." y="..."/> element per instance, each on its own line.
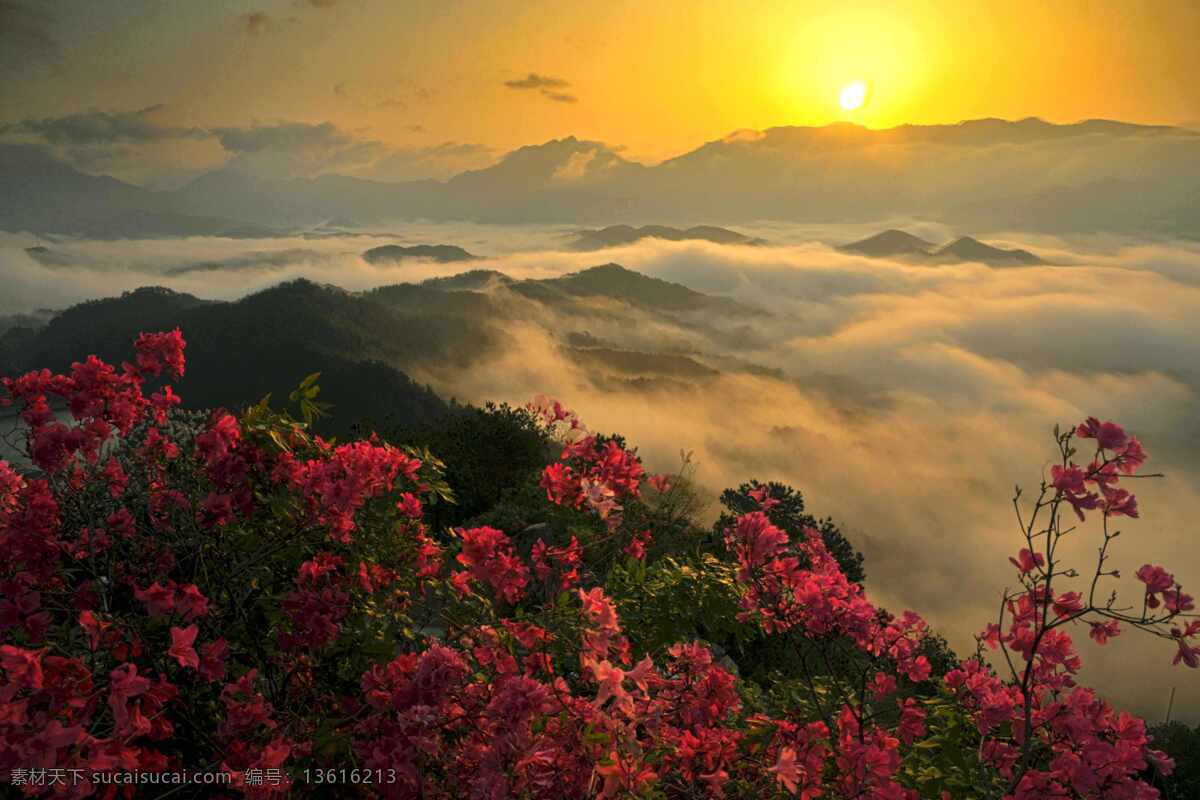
<point x="986" y="175"/>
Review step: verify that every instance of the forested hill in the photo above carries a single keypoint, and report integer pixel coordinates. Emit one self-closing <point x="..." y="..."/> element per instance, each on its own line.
<point x="239" y="352"/>
<point x="363" y="344"/>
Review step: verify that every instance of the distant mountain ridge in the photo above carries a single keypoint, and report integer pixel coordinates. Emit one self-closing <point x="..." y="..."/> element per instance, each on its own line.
<point x="890" y="243"/>
<point x="616" y="235"/>
<point x="441" y="253"/>
<point x="896" y="243"/>
<point x="966" y="248"/>
<point x="986" y="175"/>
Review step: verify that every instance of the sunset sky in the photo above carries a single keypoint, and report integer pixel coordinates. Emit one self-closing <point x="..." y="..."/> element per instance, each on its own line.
<point x="656" y="78"/>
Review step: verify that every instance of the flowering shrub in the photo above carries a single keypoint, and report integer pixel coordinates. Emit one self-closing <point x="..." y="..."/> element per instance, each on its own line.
<point x="189" y="592"/>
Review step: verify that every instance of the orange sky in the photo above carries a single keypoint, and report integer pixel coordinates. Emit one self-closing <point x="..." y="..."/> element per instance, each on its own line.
<point x="658" y="78"/>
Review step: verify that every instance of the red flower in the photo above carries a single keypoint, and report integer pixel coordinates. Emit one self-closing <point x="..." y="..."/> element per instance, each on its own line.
<point x="24" y="667"/>
<point x="488" y="554"/>
<point x="212" y="660"/>
<point x="182" y="650"/>
<point x="1108" y="435"/>
<point x="159" y="600"/>
<point x="1188" y="654"/>
<point x="159" y="351"/>
<point x="1101" y="632"/>
<point x="124" y="683"/>
<point x="117" y="479"/>
<point x="189" y="602"/>
<point x="1027" y="560"/>
<point x="93" y="626"/>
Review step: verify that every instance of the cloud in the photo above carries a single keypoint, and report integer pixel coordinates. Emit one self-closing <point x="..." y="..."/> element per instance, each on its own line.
<point x="264" y="261"/>
<point x="299" y="148"/>
<point x="535" y="81"/>
<point x="577" y="165"/>
<point x="144" y="143"/>
<point x="138" y="145"/>
<point x="436" y="161"/>
<point x="283" y="135"/>
<point x="560" y="97"/>
<point x="548" y="86"/>
<point x="289" y="149"/>
<point x="103" y="128"/>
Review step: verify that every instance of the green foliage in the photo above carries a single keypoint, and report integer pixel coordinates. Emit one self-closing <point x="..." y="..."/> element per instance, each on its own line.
<point x="1182" y="744"/>
<point x="305" y="395"/>
<point x="947" y="759"/>
<point x="678" y="599"/>
<point x="493" y="452"/>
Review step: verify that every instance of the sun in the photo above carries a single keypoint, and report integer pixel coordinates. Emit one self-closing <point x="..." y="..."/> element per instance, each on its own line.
<point x="853" y="95"/>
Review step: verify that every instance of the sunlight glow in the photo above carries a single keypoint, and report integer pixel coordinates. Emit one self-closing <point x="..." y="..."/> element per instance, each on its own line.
<point x="853" y="95"/>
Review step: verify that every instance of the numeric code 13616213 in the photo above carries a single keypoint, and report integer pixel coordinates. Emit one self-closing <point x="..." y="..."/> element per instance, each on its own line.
<point x="349" y="776"/>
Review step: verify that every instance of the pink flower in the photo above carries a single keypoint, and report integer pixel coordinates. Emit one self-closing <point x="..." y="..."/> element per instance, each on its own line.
<point x="1132" y="456"/>
<point x="1176" y="601"/>
<point x="219" y="440"/>
<point x="159" y="600"/>
<point x="786" y="770"/>
<point x="1188" y="654"/>
<point x="117" y="479"/>
<point x="1068" y="603"/>
<point x="409" y="505"/>
<point x="1027" y="561"/>
<point x="212" y="660"/>
<point x="1067" y="479"/>
<point x="488" y="554"/>
<point x="124" y="683"/>
<point x="189" y="602"/>
<point x="662" y="482"/>
<point x="1101" y="632"/>
<point x="912" y="721"/>
<point x="610" y="679"/>
<point x="883" y="685"/>
<point x="566" y="561"/>
<point x="162" y="402"/>
<point x="24" y="667"/>
<point x="159" y="351"/>
<point x="1119" y="502"/>
<point x="93" y="626"/>
<point x="1108" y="435"/>
<point x="1156" y="579"/>
<point x="919" y="669"/>
<point x="637" y="545"/>
<point x="762" y="496"/>
<point x="182" y="650"/>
